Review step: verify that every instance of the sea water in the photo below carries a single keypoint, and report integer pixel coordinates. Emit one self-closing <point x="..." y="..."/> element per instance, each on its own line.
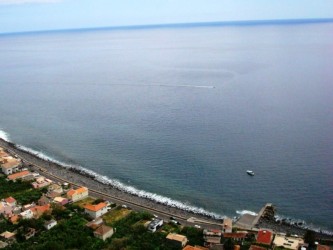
<point x="180" y="113"/>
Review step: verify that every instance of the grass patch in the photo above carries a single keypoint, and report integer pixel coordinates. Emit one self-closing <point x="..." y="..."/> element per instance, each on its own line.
<point x="115" y="215"/>
<point x="86" y="201"/>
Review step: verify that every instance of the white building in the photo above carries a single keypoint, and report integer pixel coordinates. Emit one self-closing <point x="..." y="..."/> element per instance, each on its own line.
<point x="27" y="214"/>
<point x="49" y="224"/>
<point x="96" y="211"/>
<point x="10" y="165"/>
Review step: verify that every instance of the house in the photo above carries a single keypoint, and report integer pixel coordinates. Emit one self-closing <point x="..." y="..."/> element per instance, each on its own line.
<point x="38" y="211"/>
<point x="235" y="236"/>
<point x="217" y="247"/>
<point x="94" y="224"/>
<point x="30" y="232"/>
<point x="41" y="182"/>
<point x="27" y="214"/>
<point x="154" y="224"/>
<point x="227" y="225"/>
<point x="55" y="188"/>
<point x="103" y="232"/>
<point x="43" y="201"/>
<point x="60" y="200"/>
<point x="6" y="209"/>
<point x="287" y="242"/>
<point x="14" y="219"/>
<point x="49" y="224"/>
<point x="176" y="240"/>
<point x="77" y="194"/>
<point x="265" y="236"/>
<point x="95" y="211"/>
<point x="8" y="236"/>
<point x="11" y="201"/>
<point x="212" y="236"/>
<point x="10" y="165"/>
<point x="20" y="175"/>
<point x="28" y="206"/>
<point x="188" y="247"/>
<point x="53" y="194"/>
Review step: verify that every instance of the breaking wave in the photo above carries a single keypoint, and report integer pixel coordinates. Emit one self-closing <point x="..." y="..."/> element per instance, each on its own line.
<point x="4" y="135"/>
<point x="242" y="212"/>
<point x="300" y="224"/>
<point x="128" y="189"/>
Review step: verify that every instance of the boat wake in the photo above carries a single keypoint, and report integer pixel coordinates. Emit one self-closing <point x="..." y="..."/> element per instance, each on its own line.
<point x="166" y="85"/>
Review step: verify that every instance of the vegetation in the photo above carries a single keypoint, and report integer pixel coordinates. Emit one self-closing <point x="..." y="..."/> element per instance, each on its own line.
<point x="21" y="190"/>
<point x="84" y="202"/>
<point x="194" y="235"/>
<point x="68" y="234"/>
<point x="115" y="215"/>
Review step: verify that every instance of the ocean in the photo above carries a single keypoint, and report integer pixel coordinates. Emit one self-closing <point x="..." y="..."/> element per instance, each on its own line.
<point x="180" y="113"/>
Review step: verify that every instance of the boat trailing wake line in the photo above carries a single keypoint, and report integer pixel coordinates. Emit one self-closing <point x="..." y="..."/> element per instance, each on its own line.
<point x="164" y="85"/>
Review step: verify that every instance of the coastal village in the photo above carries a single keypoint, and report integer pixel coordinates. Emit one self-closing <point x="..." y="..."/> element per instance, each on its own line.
<point x="39" y="212"/>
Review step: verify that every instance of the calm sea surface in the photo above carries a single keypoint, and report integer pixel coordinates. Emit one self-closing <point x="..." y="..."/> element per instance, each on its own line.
<point x="183" y="112"/>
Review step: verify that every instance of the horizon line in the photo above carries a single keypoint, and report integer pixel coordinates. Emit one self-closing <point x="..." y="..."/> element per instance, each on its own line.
<point x="182" y="25"/>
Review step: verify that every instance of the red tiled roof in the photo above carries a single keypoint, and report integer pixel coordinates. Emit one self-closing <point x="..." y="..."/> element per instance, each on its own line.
<point x="40" y="209"/>
<point x="14" y="218"/>
<point x="77" y="191"/>
<point x="18" y="175"/>
<point x="264" y="237"/>
<point x="95" y="208"/>
<point x="234" y="235"/>
<point x="10" y="200"/>
<point x="323" y="247"/>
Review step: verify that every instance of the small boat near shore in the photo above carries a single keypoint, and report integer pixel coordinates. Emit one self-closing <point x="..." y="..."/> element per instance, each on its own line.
<point x="250" y="172"/>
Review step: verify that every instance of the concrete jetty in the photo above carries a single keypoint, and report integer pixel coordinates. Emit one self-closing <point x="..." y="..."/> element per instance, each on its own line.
<point x="249" y="222"/>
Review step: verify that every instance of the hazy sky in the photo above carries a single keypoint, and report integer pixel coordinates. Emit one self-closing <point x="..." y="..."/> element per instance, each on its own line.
<point x="29" y="15"/>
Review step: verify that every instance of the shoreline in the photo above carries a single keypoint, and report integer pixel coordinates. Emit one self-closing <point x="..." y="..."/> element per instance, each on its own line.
<point x="82" y="178"/>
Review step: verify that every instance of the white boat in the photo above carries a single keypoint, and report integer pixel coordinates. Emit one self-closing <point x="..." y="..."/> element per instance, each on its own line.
<point x="250" y="172"/>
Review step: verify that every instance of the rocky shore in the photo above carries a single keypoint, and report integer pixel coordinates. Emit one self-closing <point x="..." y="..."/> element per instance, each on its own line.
<point x="80" y="177"/>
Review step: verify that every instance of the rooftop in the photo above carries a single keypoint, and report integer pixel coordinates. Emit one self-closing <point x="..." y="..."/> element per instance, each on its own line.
<point x="18" y="175"/>
<point x="10" y="200"/>
<point x="95" y="208"/>
<point x="103" y="230"/>
<point x="254" y="247"/>
<point x="176" y="237"/>
<point x="287" y="242"/>
<point x="188" y="247"/>
<point x="234" y="235"/>
<point x="10" y="162"/>
<point x="264" y="236"/>
<point x="40" y="209"/>
<point x="77" y="191"/>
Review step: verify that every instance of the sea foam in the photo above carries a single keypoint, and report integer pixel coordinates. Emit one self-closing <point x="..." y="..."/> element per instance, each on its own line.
<point x="126" y="188"/>
<point x="4" y="135"/>
<point x="242" y="212"/>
